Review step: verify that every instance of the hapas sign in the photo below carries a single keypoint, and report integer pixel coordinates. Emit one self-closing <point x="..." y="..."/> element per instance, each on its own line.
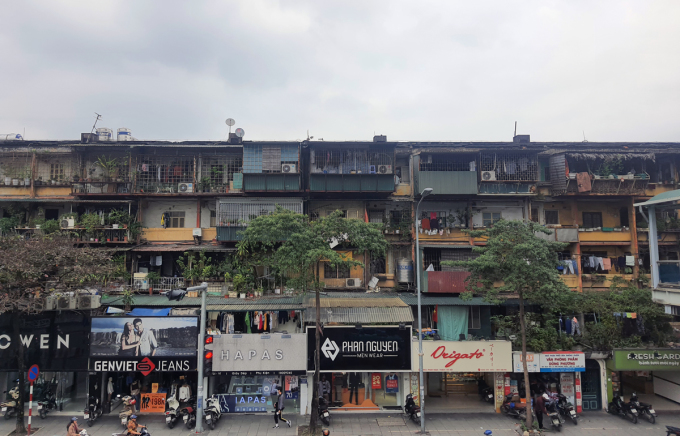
<point x="647" y="360"/>
<point x="464" y="356"/>
<point x="551" y="361"/>
<point x="254" y="353"/>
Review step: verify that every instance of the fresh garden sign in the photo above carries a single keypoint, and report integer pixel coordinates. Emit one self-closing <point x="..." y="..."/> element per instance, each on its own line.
<point x="647" y="360"/>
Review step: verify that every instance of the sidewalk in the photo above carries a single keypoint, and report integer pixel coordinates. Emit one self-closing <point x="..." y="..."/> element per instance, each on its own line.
<point x="362" y="425"/>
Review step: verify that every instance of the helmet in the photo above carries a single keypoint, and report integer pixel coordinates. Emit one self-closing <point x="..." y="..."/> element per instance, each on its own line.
<point x="326" y="432"/>
<point x="133" y="401"/>
<point x="511" y="405"/>
<point x="74" y="419"/>
<point x="133" y="416"/>
<point x="546" y="397"/>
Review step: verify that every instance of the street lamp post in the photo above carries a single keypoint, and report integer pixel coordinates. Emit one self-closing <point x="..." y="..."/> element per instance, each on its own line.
<point x="425" y="193"/>
<point x="203" y="288"/>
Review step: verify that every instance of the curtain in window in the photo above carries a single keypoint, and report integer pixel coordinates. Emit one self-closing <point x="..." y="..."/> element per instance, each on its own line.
<point x="453" y="322"/>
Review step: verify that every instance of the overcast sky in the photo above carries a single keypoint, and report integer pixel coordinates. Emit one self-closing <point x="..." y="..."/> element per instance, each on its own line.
<point x="412" y="70"/>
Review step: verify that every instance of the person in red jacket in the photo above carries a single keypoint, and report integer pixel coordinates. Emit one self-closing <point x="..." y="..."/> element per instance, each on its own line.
<point x="539" y="408"/>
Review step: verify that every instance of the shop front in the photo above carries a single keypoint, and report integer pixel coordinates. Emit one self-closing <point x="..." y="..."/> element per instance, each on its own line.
<point x="457" y="374"/>
<point x="647" y="372"/>
<point x="57" y="343"/>
<point x="362" y="367"/>
<point x="148" y="358"/>
<point x="554" y="371"/>
<point x="249" y="369"/>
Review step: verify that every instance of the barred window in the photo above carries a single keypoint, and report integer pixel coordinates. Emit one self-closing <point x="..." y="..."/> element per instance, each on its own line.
<point x="175" y="219"/>
<point x="339" y="272"/>
<point x="490" y="218"/>
<point x="552" y="217"/>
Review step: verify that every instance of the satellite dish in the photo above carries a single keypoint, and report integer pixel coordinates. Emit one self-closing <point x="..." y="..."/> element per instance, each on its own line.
<point x="240" y="132"/>
<point x="230" y="122"/>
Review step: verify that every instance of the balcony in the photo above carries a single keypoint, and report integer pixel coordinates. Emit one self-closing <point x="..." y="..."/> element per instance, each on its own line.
<point x="271" y="182"/>
<point x="100" y="188"/>
<point x="620" y="185"/>
<point x="669" y="272"/>
<point x="230" y="233"/>
<point x="447" y="235"/>
<point x="605" y="236"/>
<point x="351" y="183"/>
<point x="444" y="282"/>
<point x="601" y="282"/>
<point x="176" y="234"/>
<point x="570" y="280"/>
<point x="447" y="182"/>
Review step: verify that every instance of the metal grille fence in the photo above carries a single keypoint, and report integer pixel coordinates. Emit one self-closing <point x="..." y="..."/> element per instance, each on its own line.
<point x="15" y="166"/>
<point x="513" y="167"/>
<point x="55" y="169"/>
<point x="448" y="163"/>
<point x="351" y="161"/>
<point x="164" y="174"/>
<point x="219" y="170"/>
<point x="240" y="214"/>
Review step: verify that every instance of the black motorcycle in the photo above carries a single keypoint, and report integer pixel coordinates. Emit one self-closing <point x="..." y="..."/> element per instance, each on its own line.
<point x="672" y="431"/>
<point x="554" y="415"/>
<point x="566" y="408"/>
<point x="47" y="404"/>
<point x="486" y="394"/>
<point x="324" y="414"/>
<point x="621" y="408"/>
<point x="189" y="415"/>
<point x="644" y="409"/>
<point x="93" y="411"/>
<point x="411" y="409"/>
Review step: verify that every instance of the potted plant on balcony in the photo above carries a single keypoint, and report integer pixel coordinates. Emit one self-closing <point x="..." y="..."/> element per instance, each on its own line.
<point x="108" y="166"/>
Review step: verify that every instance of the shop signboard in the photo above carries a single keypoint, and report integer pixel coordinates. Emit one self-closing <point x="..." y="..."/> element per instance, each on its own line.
<point x="152" y="403"/>
<point x="254" y="354"/>
<point x="464" y="356"/>
<point x="647" y="360"/>
<point x="234" y="403"/>
<point x="386" y="349"/>
<point x="144" y="344"/>
<point x="551" y="361"/>
<point x="56" y="341"/>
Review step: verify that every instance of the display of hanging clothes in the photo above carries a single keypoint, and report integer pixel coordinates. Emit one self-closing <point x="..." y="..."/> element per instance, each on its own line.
<point x="434" y="224"/>
<point x="599" y="263"/>
<point x="591" y="261"/>
<point x="621" y="262"/>
<point x="607" y="263"/>
<point x="247" y="329"/>
<point x="575" y="329"/>
<point x="567" y="326"/>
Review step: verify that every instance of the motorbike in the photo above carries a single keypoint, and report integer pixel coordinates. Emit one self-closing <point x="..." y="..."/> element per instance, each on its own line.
<point x="49" y="402"/>
<point x="324" y="414"/>
<point x="129" y="408"/>
<point x="93" y="411"/>
<point x="509" y="409"/>
<point x="626" y="410"/>
<point x="9" y="408"/>
<point x="566" y="409"/>
<point x="486" y="394"/>
<point x="644" y="409"/>
<point x="555" y="419"/>
<point x="212" y="411"/>
<point x="411" y="409"/>
<point x="672" y="431"/>
<point x="189" y="414"/>
<point x="143" y="432"/>
<point x="173" y="413"/>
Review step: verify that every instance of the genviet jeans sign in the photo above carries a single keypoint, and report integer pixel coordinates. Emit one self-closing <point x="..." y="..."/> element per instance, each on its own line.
<point x="464" y="356"/>
<point x="364" y="349"/>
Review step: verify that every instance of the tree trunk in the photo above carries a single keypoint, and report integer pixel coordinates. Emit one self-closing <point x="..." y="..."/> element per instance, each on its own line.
<point x="317" y="359"/>
<point x="20" y="428"/>
<point x="527" y="385"/>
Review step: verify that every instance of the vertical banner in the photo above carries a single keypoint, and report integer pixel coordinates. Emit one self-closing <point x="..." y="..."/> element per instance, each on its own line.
<point x="415" y="388"/>
<point x="499" y="390"/>
<point x="579" y="401"/>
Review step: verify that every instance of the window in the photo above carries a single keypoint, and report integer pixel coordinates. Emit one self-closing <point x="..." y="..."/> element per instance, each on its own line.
<point x="175" y="219"/>
<point x="592" y="219"/>
<point x="376" y="216"/>
<point x="490" y="218"/>
<point x="475" y="318"/>
<point x="378" y="265"/>
<point x="534" y="215"/>
<point x="552" y="217"/>
<point x="623" y="215"/>
<point x="213" y="218"/>
<point x="57" y="171"/>
<point x="339" y="272"/>
<point x="456" y="255"/>
<point x="432" y="256"/>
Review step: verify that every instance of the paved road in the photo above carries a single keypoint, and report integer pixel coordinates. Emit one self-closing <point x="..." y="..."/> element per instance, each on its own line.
<point x="366" y="425"/>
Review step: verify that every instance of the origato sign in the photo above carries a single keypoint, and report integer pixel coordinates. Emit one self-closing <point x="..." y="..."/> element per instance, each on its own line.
<point x="464" y="356"/>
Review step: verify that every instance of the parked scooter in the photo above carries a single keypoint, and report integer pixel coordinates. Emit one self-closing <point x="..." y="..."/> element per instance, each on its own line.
<point x="173" y="413"/>
<point x="486" y="394"/>
<point x="93" y="411"/>
<point x="566" y="409"/>
<point x="555" y="419"/>
<point x="509" y="409"/>
<point x="129" y="408"/>
<point x="48" y="403"/>
<point x="212" y="411"/>
<point x="324" y="414"/>
<point x="644" y="409"/>
<point x="621" y="408"/>
<point x="411" y="409"/>
<point x="672" y="431"/>
<point x="9" y="407"/>
<point x="189" y="413"/>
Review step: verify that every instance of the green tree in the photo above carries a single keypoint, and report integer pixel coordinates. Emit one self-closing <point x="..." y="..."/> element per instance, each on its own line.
<point x="30" y="270"/>
<point x="516" y="263"/>
<point x="296" y="248"/>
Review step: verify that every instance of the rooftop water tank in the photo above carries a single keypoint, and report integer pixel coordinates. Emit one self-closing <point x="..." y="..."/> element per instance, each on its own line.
<point x="405" y="270"/>
<point x="124" y="134"/>
<point x="104" y="134"/>
<point x="11" y="137"/>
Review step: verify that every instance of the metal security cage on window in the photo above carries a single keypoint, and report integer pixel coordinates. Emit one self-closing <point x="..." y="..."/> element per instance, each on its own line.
<point x="218" y="170"/>
<point x="338" y="272"/>
<point x="165" y="174"/>
<point x="55" y="169"/>
<point x="241" y="212"/>
<point x="351" y="161"/>
<point x="448" y="162"/>
<point x="511" y="167"/>
<point x="259" y="158"/>
<point x="14" y="168"/>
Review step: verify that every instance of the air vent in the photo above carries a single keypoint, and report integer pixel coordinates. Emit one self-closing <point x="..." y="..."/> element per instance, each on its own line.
<point x="384" y="169"/>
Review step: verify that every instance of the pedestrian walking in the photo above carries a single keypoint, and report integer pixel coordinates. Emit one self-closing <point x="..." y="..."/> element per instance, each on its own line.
<point x="539" y="408"/>
<point x="278" y="409"/>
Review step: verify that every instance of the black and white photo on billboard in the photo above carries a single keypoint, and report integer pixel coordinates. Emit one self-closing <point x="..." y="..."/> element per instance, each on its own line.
<point x="127" y="336"/>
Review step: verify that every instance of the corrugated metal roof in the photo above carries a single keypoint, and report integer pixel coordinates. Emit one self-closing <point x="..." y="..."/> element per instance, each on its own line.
<point x="363" y="315"/>
<point x="395" y="301"/>
<point x="212" y="303"/>
<point x="181" y="247"/>
<point x="426" y="300"/>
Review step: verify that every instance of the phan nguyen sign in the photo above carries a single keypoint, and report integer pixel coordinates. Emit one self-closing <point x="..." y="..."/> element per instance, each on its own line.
<point x="551" y="361"/>
<point x="464" y="356"/>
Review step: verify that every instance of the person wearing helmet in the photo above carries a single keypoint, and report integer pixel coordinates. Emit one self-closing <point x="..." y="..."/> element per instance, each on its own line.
<point x="73" y="429"/>
<point x="539" y="408"/>
<point x="133" y="426"/>
<point x="326" y="432"/>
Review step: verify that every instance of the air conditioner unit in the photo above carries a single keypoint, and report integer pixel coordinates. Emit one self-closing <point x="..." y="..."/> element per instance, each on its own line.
<point x="488" y="175"/>
<point x="198" y="232"/>
<point x="352" y="283"/>
<point x="67" y="223"/>
<point x="89" y="301"/>
<point x="66" y="303"/>
<point x="141" y="284"/>
<point x="384" y="169"/>
<point x="185" y="187"/>
<point x="50" y="302"/>
<point x="288" y="168"/>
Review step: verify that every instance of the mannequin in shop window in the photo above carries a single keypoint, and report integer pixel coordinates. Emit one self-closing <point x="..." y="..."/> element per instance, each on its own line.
<point x="354" y="381"/>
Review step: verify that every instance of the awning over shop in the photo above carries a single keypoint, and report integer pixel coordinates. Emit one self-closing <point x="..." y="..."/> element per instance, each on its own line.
<point x="426" y="300"/>
<point x="181" y="248"/>
<point x="361" y="315"/>
<point x="140" y="311"/>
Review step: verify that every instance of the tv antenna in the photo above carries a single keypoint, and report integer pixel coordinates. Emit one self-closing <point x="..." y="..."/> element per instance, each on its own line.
<point x="240" y="132"/>
<point x="584" y="136"/>
<point x="99" y="117"/>
<point x="230" y="122"/>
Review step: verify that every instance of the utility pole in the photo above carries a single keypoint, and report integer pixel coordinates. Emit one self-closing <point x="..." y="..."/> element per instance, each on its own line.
<point x="203" y="288"/>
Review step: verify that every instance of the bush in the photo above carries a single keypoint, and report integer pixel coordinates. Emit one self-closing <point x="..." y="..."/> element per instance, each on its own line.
<point x="50" y="226"/>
